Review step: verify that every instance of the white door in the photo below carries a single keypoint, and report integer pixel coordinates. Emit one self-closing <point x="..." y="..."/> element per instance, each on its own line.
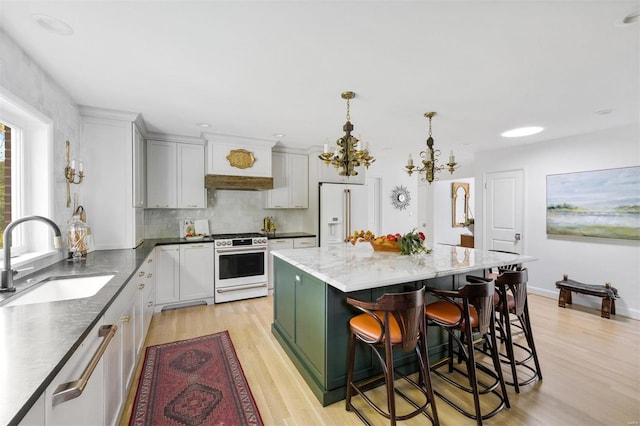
<point x="505" y="209"/>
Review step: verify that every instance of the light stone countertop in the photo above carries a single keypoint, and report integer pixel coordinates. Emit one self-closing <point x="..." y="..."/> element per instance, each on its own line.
<point x="351" y="268"/>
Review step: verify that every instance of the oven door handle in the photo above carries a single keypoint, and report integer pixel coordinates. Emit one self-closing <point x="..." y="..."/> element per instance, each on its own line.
<point x="240" y="249"/>
<point x="240" y="287"/>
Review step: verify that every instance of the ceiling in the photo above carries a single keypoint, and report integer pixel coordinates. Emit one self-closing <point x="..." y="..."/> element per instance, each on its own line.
<point x="262" y="68"/>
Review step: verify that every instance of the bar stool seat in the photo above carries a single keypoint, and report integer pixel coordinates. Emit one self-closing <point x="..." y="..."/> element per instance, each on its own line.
<point x="394" y="321"/>
<point x="462" y="313"/>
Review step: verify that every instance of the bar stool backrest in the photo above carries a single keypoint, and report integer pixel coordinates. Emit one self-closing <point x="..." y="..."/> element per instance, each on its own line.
<point x="480" y="295"/>
<point x="516" y="281"/>
<point x="406" y="308"/>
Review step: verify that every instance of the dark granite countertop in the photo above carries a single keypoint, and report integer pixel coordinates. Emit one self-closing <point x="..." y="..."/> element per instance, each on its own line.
<point x="36" y="340"/>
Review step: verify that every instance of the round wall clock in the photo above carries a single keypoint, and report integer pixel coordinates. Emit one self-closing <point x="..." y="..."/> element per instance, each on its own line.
<point x="400" y="197"/>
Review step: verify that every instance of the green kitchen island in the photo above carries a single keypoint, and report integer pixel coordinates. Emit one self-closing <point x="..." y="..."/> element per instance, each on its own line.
<point x="311" y="316"/>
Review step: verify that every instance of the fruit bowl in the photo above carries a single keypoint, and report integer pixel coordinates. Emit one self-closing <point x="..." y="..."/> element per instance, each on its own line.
<point x="385" y="246"/>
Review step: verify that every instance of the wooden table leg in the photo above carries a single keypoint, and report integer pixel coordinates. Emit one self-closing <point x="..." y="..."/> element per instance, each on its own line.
<point x="564" y="298"/>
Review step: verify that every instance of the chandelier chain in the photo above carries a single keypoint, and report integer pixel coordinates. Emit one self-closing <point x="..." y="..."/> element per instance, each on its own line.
<point x="348" y="110"/>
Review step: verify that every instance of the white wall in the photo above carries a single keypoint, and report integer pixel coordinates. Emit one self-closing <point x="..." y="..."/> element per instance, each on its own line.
<point x="589" y="260"/>
<point x="27" y="85"/>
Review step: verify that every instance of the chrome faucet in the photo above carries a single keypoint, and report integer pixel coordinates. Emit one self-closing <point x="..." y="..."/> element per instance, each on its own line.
<point x="6" y="274"/>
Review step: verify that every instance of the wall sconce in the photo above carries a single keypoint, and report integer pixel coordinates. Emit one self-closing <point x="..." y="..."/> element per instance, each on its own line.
<point x="70" y="173"/>
<point x="349" y="152"/>
<point x="429" y="158"/>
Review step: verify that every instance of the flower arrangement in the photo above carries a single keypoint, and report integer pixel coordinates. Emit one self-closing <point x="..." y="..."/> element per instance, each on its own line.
<point x="412" y="243"/>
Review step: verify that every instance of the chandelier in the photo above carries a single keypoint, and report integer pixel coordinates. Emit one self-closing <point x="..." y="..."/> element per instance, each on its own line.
<point x="349" y="152"/>
<point x="429" y="158"/>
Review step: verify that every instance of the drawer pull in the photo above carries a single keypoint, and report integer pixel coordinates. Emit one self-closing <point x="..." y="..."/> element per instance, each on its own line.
<point x="150" y="304"/>
<point x="141" y="274"/>
<point x="71" y="390"/>
<point x="141" y="286"/>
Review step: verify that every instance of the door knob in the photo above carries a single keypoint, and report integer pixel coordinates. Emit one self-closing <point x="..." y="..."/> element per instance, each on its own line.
<point x="518" y="236"/>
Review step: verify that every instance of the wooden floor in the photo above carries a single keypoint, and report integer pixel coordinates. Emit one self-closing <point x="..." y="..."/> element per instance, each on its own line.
<point x="590" y="365"/>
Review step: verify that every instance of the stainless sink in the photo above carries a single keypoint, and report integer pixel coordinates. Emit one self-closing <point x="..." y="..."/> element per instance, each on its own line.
<point x="54" y="289"/>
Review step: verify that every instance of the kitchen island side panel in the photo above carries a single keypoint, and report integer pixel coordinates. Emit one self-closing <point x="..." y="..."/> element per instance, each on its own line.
<point x="319" y="330"/>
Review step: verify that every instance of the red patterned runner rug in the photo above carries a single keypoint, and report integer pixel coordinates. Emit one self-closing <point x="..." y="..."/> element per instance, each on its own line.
<point x="194" y="382"/>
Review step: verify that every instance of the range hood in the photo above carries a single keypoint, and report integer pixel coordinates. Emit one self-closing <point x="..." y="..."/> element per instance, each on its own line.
<point x="253" y="183"/>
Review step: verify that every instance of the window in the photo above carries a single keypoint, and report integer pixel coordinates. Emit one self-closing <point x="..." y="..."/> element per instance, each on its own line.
<point x="26" y="180"/>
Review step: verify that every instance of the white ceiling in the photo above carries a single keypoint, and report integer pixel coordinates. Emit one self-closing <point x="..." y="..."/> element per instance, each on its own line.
<point x="259" y="68"/>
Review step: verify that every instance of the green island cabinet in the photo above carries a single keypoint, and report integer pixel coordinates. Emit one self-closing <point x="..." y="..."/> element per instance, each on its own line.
<point x="311" y="323"/>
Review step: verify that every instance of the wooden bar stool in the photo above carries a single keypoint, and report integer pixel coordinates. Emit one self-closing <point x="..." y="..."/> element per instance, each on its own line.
<point x="511" y="287"/>
<point x="395" y="320"/>
<point x="462" y="313"/>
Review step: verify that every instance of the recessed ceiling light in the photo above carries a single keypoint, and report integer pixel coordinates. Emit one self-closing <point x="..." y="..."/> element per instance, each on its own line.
<point x="522" y="131"/>
<point x="279" y="135"/>
<point x="204" y="125"/>
<point x="603" y="112"/>
<point x="52" y="24"/>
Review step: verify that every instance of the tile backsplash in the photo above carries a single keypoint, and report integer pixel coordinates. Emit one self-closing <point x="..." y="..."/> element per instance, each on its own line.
<point x="227" y="211"/>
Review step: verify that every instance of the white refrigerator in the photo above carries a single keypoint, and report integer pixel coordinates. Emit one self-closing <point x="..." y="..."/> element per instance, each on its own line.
<point x="347" y="208"/>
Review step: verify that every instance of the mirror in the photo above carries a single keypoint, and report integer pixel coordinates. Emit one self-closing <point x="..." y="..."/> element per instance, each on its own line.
<point x="400" y="197"/>
<point x="459" y="204"/>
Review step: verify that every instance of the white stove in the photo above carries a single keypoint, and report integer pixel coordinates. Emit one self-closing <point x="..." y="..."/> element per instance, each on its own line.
<point x="240" y="266"/>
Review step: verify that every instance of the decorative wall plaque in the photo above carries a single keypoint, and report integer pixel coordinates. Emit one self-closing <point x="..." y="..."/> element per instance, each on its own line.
<point x="241" y="158"/>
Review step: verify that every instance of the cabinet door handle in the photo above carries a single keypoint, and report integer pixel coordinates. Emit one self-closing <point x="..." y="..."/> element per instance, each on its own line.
<point x="141" y="274"/>
<point x="74" y="389"/>
<point x="149" y="275"/>
<point x="150" y="260"/>
<point x="141" y="286"/>
<point x="150" y="304"/>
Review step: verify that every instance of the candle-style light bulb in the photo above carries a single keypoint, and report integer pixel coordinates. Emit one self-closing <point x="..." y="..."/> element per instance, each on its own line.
<point x="452" y="158"/>
<point x="410" y="161"/>
<point x="326" y="147"/>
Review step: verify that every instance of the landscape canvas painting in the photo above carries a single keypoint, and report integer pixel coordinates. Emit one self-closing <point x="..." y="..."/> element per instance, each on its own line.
<point x="601" y="203"/>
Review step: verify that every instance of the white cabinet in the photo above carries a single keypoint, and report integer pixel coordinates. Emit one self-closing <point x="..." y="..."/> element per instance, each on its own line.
<point x="175" y="175"/>
<point x="191" y="191"/>
<point x="139" y="170"/>
<point x="196" y="271"/>
<point x="111" y="185"/>
<point x="88" y="407"/>
<point x="35" y="415"/>
<point x="120" y="357"/>
<point x="183" y="273"/>
<point x="290" y="182"/>
<point x="144" y="283"/>
<point x="167" y="273"/>
<point x="162" y="186"/>
<point x="304" y="242"/>
<point x="284" y="244"/>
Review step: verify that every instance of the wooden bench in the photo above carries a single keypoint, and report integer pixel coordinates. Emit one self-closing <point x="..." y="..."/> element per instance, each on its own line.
<point x="608" y="294"/>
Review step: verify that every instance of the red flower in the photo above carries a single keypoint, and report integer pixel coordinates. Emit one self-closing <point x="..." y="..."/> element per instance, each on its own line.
<point x="422" y="237"/>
